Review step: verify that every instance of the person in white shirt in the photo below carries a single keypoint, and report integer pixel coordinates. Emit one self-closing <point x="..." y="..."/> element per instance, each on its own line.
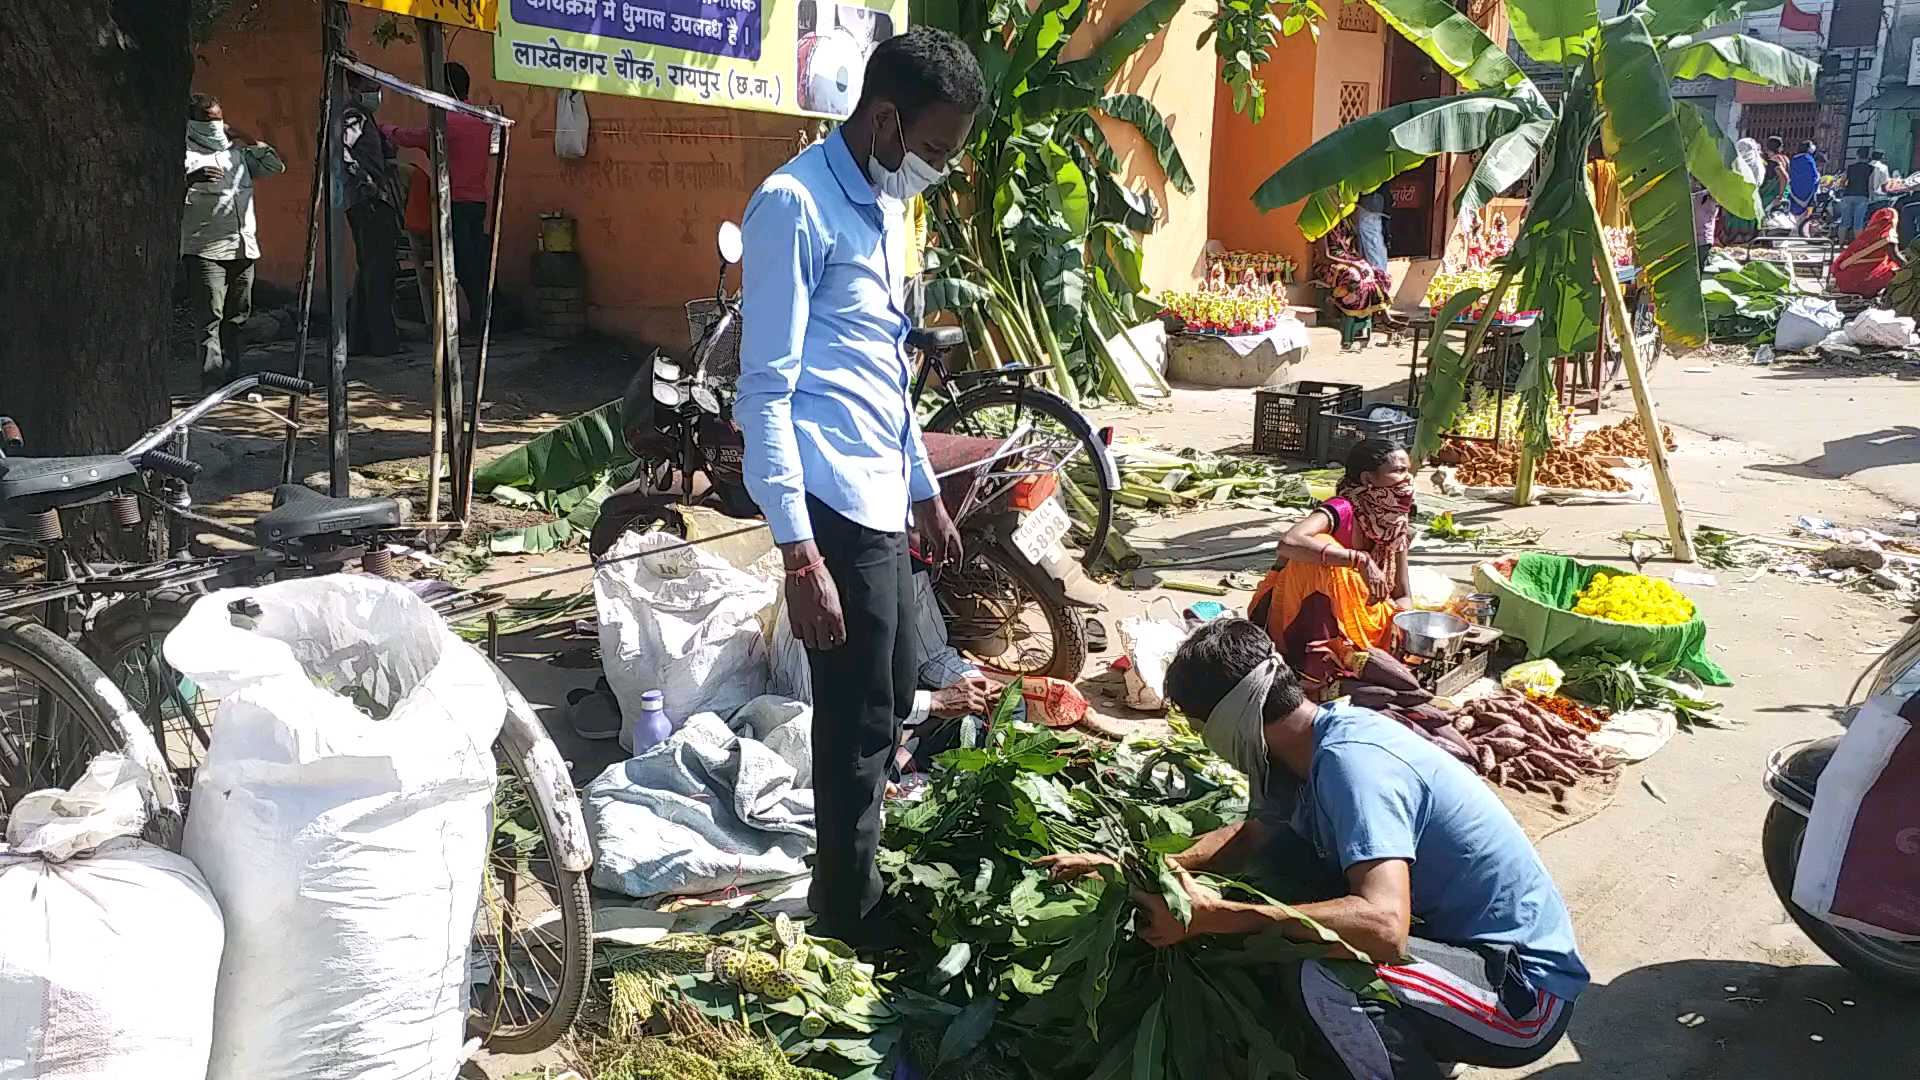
<point x="218" y="245"/>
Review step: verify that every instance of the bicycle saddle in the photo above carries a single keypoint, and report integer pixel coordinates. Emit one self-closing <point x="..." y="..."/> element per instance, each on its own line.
<point x="30" y="485"/>
<point x="299" y="512"/>
<point x="936" y="338"/>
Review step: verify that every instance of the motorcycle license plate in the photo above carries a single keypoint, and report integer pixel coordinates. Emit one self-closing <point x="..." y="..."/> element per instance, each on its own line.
<point x="1041" y="531"/>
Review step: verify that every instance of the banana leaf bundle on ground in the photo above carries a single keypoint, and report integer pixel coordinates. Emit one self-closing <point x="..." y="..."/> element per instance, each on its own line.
<point x="1010" y="974"/>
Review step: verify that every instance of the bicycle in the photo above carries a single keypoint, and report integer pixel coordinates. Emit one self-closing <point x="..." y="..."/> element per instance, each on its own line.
<point x="991" y="403"/>
<point x="534" y="921"/>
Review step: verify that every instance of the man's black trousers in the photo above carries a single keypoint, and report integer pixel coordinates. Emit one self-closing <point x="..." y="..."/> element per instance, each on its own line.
<point x="861" y="692"/>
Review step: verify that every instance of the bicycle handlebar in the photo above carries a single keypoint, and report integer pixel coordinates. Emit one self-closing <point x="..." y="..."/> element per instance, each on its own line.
<point x="168" y="464"/>
<point x="152" y="440"/>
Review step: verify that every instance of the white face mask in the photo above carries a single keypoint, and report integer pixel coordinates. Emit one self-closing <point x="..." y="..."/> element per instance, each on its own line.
<point x="913" y="176"/>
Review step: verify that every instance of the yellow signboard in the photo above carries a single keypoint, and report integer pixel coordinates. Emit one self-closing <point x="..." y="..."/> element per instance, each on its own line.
<point x="785" y="56"/>
<point x="474" y="14"/>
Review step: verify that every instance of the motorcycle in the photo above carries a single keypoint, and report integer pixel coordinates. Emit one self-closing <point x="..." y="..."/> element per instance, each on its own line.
<point x="1792" y="779"/>
<point x="1015" y="601"/>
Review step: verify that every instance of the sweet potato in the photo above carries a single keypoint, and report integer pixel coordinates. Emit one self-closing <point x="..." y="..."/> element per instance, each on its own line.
<point x="1506" y="748"/>
<point x="1429" y="717"/>
<point x="1372" y="696"/>
<point x="1486" y="756"/>
<point x="1382" y="668"/>
<point x="1508" y="730"/>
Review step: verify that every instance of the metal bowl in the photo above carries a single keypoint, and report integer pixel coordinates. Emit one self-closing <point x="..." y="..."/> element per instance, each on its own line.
<point x="1432" y="634"/>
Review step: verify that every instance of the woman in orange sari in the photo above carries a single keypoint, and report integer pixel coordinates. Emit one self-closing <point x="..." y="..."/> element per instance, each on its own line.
<point x="1866" y="267"/>
<point x="1342" y="571"/>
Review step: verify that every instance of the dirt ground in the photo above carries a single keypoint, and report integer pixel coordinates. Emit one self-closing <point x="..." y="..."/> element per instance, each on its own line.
<point x="1697" y="971"/>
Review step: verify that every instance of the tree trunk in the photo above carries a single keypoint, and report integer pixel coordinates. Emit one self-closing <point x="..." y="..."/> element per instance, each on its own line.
<point x="92" y="182"/>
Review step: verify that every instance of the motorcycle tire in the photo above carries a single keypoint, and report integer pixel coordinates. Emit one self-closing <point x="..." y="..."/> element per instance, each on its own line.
<point x="1877" y="960"/>
<point x="959" y="589"/>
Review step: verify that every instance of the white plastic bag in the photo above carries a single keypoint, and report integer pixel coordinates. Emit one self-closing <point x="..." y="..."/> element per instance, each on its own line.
<point x="1857" y="868"/>
<point x="111" y="946"/>
<point x="1149" y="644"/>
<point x="345" y="842"/>
<point x="570" y="124"/>
<point x="1781" y="221"/>
<point x="682" y="621"/>
<point x="1805" y="323"/>
<point x="1878" y="328"/>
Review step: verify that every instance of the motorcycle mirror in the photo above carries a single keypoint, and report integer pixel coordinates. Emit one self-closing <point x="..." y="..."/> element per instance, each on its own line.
<point x="705" y="398"/>
<point x="667" y="394"/>
<point x="731" y="246"/>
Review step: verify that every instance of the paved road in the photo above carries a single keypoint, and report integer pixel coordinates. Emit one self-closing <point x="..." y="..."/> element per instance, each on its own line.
<point x="1826" y="424"/>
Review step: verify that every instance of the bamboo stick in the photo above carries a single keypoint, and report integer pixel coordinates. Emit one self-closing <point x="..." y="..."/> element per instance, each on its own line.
<point x="1676" y="516"/>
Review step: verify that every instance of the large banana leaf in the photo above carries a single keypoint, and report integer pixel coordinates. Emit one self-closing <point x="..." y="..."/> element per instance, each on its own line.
<point x="1554" y="31"/>
<point x="1141" y="113"/>
<point x="1668" y="17"/>
<point x="1131" y="36"/>
<point x="1453" y="41"/>
<point x="1649" y="148"/>
<point x="1739" y="57"/>
<point x="1352" y="160"/>
<point x="568" y="456"/>
<point x="1045" y="34"/>
<point x="1507" y="159"/>
<point x="1553" y="253"/>
<point x="1710" y="158"/>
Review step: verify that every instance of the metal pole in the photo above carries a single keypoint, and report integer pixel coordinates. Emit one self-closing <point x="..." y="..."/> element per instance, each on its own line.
<point x="314" y="209"/>
<point x="337" y="480"/>
<point x="463" y="491"/>
<point x="432" y="57"/>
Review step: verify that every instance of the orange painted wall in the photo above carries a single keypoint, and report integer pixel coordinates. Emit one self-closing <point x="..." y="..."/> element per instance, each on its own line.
<point x="1245" y="154"/>
<point x="657" y="179"/>
<point x="1179" y="77"/>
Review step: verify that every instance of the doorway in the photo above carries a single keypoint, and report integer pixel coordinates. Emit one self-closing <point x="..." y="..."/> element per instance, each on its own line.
<point x="1413" y="195"/>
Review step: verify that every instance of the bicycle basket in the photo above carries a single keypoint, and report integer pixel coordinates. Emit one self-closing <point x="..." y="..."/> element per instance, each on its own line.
<point x="725" y="359"/>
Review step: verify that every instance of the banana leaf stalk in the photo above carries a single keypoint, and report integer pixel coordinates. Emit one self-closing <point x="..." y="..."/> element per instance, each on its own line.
<point x="1677" y="531"/>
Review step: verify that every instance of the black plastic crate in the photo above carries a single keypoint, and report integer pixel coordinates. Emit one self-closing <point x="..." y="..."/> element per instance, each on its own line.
<point x="1284" y="415"/>
<point x="1335" y="433"/>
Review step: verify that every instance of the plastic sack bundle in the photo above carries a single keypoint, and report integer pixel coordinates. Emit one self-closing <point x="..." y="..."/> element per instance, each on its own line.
<point x="341" y="819"/>
<point x="680" y="619"/>
<point x="1806" y="322"/>
<point x="111" y="945"/>
<point x="1879" y="328"/>
<point x="1149" y="643"/>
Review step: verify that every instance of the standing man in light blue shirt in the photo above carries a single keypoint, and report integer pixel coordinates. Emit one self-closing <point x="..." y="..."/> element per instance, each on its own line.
<point x="833" y="455"/>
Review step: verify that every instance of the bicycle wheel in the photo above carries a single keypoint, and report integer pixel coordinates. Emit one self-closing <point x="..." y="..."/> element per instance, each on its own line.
<point x="999" y="614"/>
<point x="993" y="411"/>
<point x="125" y="641"/>
<point x="52" y="719"/>
<point x="534" y="928"/>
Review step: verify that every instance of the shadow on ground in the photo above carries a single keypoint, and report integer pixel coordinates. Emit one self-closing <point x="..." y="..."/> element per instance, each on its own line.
<point x="1714" y="1019"/>
<point x="1842" y="458"/>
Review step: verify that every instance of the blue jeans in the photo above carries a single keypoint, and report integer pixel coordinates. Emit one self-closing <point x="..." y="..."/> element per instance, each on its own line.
<point x="1852" y="215"/>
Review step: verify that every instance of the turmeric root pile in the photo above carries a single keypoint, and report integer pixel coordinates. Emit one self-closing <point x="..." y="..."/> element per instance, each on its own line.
<point x="1578" y="465"/>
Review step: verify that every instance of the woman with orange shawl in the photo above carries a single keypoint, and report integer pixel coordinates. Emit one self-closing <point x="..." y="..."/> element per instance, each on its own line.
<point x="1342" y="571"/>
<point x="1867" y="265"/>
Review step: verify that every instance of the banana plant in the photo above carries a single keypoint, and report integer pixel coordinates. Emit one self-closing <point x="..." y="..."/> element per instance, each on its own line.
<point x="1618" y="72"/>
<point x="1037" y="239"/>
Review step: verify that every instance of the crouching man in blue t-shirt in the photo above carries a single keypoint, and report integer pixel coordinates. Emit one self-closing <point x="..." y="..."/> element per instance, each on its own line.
<point x="1492" y="976"/>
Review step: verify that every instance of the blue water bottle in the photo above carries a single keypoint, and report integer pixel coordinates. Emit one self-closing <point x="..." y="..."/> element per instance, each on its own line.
<point x="650" y="727"/>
